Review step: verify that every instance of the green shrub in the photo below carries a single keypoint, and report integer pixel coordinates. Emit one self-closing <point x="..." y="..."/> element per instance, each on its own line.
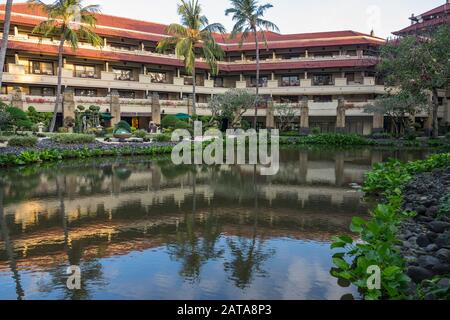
<point x="163" y="138"/>
<point x="169" y="121"/>
<point x="73" y="138"/>
<point x="22" y="141"/>
<point x="316" y="130"/>
<point x="4" y="139"/>
<point x="182" y="125"/>
<point x="331" y="139"/>
<point x="140" y="134"/>
<point x="122" y="125"/>
<point x="290" y="133"/>
<point x="19" y="119"/>
<point x="380" y="135"/>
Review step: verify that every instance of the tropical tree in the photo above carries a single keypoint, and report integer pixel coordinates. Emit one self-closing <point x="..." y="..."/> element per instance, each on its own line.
<point x="248" y="16"/>
<point x="419" y="66"/>
<point x="194" y="32"/>
<point x="4" y="47"/>
<point x="71" y="22"/>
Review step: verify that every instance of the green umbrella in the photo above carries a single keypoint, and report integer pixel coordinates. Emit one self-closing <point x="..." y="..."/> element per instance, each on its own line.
<point x="106" y="116"/>
<point x="183" y="116"/>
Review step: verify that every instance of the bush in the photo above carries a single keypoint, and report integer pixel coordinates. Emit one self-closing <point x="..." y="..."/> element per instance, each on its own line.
<point x="4" y="139"/>
<point x="316" y="130"/>
<point x="140" y="134"/>
<point x="380" y="135"/>
<point x="169" y="121"/>
<point x="122" y="125"/>
<point x="25" y="141"/>
<point x="73" y="138"/>
<point x="163" y="138"/>
<point x="19" y="119"/>
<point x="182" y="125"/>
<point x="290" y="134"/>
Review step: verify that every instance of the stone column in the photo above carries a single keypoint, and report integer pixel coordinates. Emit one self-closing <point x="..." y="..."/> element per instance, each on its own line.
<point x="156" y="109"/>
<point x="428" y="125"/>
<point x="270" y="115"/>
<point x="115" y="107"/>
<point x="304" y="116"/>
<point x="69" y="104"/>
<point x="378" y="122"/>
<point x="189" y="104"/>
<point x="340" y="116"/>
<point x="17" y="98"/>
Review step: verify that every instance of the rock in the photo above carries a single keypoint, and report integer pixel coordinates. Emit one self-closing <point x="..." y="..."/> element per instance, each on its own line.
<point x="421" y="210"/>
<point x="418" y="274"/>
<point x="442" y="240"/>
<point x="432" y="211"/>
<point x="431" y="247"/>
<point x="424" y="219"/>
<point x="443" y="254"/>
<point x="422" y="241"/>
<point x="428" y="261"/>
<point x="441" y="269"/>
<point x="439" y="226"/>
<point x="443" y="283"/>
<point x="432" y="236"/>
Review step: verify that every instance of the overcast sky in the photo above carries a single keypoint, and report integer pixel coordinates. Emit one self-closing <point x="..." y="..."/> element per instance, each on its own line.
<point x="291" y="16"/>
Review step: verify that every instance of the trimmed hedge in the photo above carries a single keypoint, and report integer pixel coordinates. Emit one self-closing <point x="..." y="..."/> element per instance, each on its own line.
<point x="25" y="141"/>
<point x="72" y="138"/>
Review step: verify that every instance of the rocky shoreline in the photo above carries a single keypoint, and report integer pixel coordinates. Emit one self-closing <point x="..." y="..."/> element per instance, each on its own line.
<point x="425" y="239"/>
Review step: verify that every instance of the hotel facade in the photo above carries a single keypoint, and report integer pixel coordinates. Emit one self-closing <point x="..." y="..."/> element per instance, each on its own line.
<point x="326" y="77"/>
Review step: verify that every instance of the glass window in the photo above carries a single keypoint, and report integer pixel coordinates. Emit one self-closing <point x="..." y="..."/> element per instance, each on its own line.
<point x="263" y="80"/>
<point x="42" y="91"/>
<point x="123" y="74"/>
<point x="218" y="82"/>
<point x="322" y="80"/>
<point x="290" y="81"/>
<point x="322" y="98"/>
<point x="127" y="94"/>
<point x="40" y="67"/>
<point x="86" y="92"/>
<point x="4" y="90"/>
<point x="84" y="71"/>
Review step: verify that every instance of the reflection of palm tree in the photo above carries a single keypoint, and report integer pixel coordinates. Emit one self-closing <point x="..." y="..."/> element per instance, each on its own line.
<point x="9" y="249"/>
<point x="248" y="254"/>
<point x="195" y="245"/>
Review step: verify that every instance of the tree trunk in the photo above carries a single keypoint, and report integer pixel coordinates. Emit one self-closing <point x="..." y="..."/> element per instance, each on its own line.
<point x="58" y="88"/>
<point x="255" y="119"/>
<point x="4" y="46"/>
<point x="194" y="99"/>
<point x="435" y="103"/>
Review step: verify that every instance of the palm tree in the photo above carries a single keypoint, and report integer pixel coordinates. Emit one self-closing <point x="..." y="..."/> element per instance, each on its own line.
<point x="6" y="26"/>
<point x="248" y="16"/>
<point x="71" y="22"/>
<point x="193" y="33"/>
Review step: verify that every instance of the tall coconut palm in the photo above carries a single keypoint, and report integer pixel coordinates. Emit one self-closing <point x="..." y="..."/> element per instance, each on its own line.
<point x="193" y="33"/>
<point x="71" y="22"/>
<point x="248" y="16"/>
<point x="6" y="26"/>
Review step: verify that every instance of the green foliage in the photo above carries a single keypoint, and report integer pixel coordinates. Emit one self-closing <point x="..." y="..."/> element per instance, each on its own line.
<point x="163" y="138"/>
<point x="140" y="134"/>
<point x="5" y="117"/>
<point x="316" y="130"/>
<point x="73" y="138"/>
<point x="431" y="289"/>
<point x="169" y="121"/>
<point x="19" y="119"/>
<point x="333" y="139"/>
<point x="22" y="141"/>
<point x="379" y="234"/>
<point x="182" y="125"/>
<point x="31" y="157"/>
<point x="37" y="117"/>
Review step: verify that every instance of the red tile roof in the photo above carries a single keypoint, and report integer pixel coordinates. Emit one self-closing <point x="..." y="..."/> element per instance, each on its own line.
<point x="108" y="25"/>
<point x="423" y="25"/>
<point x="232" y="67"/>
<point x="440" y="9"/>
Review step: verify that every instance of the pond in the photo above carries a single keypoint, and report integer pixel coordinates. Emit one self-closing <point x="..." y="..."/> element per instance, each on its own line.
<point x="143" y="228"/>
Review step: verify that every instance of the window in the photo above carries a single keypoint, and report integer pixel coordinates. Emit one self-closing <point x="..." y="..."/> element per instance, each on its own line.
<point x="86" y="92"/>
<point x="157" y="77"/>
<point x="84" y="71"/>
<point x="42" y="91"/>
<point x="322" y="98"/>
<point x="263" y="80"/>
<point x="290" y="81"/>
<point x="323" y="80"/>
<point x="289" y="99"/>
<point x="4" y="90"/>
<point x="40" y="67"/>
<point x="123" y="74"/>
<point x="127" y="94"/>
<point x="218" y="82"/>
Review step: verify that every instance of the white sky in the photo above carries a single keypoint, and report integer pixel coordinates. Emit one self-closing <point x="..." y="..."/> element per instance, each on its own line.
<point x="291" y="16"/>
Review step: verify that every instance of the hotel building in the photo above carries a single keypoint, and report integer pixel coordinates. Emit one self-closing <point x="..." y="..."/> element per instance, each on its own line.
<point x="327" y="77"/>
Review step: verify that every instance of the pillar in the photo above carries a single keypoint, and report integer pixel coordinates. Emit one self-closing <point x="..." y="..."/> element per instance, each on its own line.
<point x="190" y="102"/>
<point x="378" y="122"/>
<point x="428" y="125"/>
<point x="115" y="107"/>
<point x="304" y="116"/>
<point x="17" y="98"/>
<point x="270" y="116"/>
<point x="68" y="104"/>
<point x="340" y="116"/>
<point x="156" y="109"/>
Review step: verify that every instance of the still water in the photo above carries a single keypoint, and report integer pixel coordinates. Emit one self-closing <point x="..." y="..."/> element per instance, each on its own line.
<point x="143" y="228"/>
